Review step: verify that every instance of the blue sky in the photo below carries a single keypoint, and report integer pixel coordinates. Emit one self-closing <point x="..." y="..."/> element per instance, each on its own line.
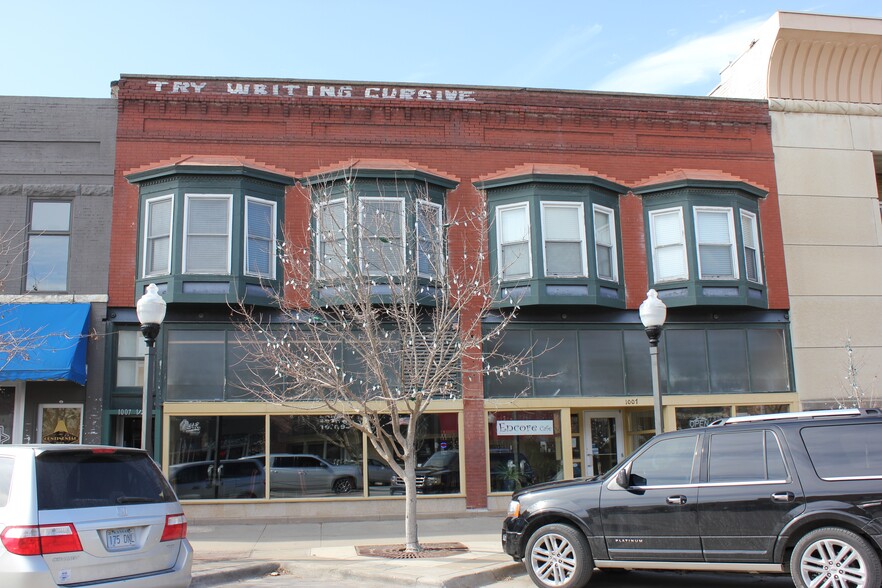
<point x="76" y="49"/>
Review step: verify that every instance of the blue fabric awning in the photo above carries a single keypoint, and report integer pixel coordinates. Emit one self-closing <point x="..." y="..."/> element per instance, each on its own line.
<point x="44" y="341"/>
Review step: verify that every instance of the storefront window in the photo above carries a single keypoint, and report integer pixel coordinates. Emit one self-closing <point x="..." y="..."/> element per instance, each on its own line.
<point x="213" y="457"/>
<point x="438" y="458"/>
<point x="641" y="426"/>
<point x="525" y="449"/>
<point x="692" y="418"/>
<point x="761" y="409"/>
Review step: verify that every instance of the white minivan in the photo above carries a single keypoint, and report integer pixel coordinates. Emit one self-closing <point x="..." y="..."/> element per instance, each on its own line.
<point x="89" y="516"/>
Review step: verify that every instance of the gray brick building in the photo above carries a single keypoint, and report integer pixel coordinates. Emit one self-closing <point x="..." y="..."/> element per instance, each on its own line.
<point x="56" y="188"/>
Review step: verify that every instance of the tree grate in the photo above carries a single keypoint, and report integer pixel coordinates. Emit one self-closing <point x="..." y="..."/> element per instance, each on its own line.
<point x="398" y="551"/>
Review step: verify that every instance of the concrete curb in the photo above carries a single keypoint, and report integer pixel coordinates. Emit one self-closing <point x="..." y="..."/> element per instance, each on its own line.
<point x="429" y="579"/>
<point x="232" y="572"/>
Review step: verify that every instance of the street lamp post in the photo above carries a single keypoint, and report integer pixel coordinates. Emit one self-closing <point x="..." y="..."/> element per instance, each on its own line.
<point x="151" y="311"/>
<point x="652" y="314"/>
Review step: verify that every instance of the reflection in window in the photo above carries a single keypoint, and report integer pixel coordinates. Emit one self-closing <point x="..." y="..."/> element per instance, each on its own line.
<point x="693" y="418"/>
<point x="214" y="457"/>
<point x="438" y="457"/>
<point x="749" y="456"/>
<point x="525" y="449"/>
<point x="48" y="246"/>
<point x="667" y="463"/>
<point x="205" y="349"/>
<point x="382" y="235"/>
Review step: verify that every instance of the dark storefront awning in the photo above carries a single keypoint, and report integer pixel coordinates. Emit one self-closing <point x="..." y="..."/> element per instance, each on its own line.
<point x="43" y="342"/>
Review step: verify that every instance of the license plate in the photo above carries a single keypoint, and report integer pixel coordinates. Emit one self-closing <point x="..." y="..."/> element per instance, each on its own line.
<point x="120" y="539"/>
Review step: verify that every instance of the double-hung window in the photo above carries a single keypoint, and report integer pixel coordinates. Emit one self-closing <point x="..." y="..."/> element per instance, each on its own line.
<point x="430" y="239"/>
<point x="513" y="231"/>
<point x="48" y="246"/>
<point x="381" y="226"/>
<point x="157" y="236"/>
<point x="260" y="241"/>
<point x="715" y="237"/>
<point x="750" y="235"/>
<point x="563" y="235"/>
<point x="668" y="245"/>
<point x="208" y="222"/>
<point x="605" y="243"/>
<point x="331" y="235"/>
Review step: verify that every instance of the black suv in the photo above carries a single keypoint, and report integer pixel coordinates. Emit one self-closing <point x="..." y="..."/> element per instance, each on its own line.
<point x="796" y="492"/>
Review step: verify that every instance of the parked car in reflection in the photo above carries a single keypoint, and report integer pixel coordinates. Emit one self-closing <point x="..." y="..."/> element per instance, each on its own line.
<point x="303" y="473"/>
<point x="379" y="473"/>
<point x="439" y="475"/>
<point x="79" y="515"/>
<point x="229" y="478"/>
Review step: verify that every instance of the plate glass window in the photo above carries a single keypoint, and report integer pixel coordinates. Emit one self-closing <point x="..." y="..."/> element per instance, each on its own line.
<point x="260" y="244"/>
<point x="48" y="246"/>
<point x="668" y="245"/>
<point x="563" y="233"/>
<point x="513" y="230"/>
<point x="207" y="243"/>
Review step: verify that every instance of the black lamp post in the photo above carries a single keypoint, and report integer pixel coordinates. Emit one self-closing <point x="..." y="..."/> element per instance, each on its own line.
<point x="652" y="314"/>
<point x="151" y="311"/>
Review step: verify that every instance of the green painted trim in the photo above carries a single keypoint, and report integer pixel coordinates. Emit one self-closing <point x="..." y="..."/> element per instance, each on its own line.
<point x="242" y="171"/>
<point x="552" y="179"/>
<point x="655" y="189"/>
<point x="364" y="174"/>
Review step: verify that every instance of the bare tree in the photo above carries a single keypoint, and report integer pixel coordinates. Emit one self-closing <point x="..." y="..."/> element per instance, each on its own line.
<point x="855" y="392"/>
<point x="385" y="312"/>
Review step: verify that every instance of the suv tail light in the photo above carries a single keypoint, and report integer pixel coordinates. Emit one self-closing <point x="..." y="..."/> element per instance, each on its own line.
<point x="175" y="527"/>
<point x="41" y="540"/>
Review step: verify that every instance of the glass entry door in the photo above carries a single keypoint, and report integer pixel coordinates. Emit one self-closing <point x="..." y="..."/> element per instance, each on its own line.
<point x="604" y="441"/>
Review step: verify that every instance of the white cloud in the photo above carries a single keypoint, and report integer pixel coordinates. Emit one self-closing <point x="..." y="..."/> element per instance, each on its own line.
<point x="695" y="61"/>
<point x="568" y="50"/>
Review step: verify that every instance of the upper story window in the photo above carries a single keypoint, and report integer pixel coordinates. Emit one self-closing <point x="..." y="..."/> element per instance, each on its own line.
<point x="209" y="230"/>
<point x="555" y="237"/>
<point x="260" y="238"/>
<point x="208" y="219"/>
<point x="513" y="230"/>
<point x="157" y="236"/>
<point x="48" y="246"/>
<point x="704" y="241"/>
<point x="563" y="234"/>
<point x="377" y="221"/>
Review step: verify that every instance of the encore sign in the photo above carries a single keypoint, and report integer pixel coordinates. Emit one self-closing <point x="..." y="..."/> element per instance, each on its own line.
<point x="513" y="428"/>
<point x="313" y="90"/>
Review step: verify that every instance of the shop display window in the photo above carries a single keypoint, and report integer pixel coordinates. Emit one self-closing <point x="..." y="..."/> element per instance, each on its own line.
<point x="525" y="448"/>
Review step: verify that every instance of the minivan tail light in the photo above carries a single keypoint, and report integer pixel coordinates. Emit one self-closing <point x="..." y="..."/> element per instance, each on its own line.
<point x="175" y="527"/>
<point x="41" y="540"/>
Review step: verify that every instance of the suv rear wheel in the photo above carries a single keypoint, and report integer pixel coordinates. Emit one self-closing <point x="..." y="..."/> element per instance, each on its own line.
<point x="834" y="557"/>
<point x="558" y="556"/>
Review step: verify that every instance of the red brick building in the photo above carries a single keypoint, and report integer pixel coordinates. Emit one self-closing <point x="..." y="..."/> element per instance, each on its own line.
<point x="639" y="191"/>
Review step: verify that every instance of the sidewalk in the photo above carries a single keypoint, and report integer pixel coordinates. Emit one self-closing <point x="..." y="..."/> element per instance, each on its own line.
<point x="228" y="551"/>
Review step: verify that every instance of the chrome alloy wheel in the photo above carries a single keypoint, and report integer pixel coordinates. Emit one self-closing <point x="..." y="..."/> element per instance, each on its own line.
<point x="830" y="563"/>
<point x="553" y="559"/>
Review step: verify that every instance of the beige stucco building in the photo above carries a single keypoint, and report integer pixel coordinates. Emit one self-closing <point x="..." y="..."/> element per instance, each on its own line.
<point x="822" y="76"/>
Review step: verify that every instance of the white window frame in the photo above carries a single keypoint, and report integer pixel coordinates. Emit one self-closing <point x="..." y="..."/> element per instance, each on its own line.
<point x="751" y="218"/>
<point x="439" y="263"/>
<point x="499" y="244"/>
<point x="614" y="251"/>
<point x="272" y="239"/>
<point x="171" y="230"/>
<point x="319" y="231"/>
<point x="362" y="237"/>
<point x="733" y="253"/>
<point x="580" y="208"/>
<point x="187" y="199"/>
<point x="685" y="275"/>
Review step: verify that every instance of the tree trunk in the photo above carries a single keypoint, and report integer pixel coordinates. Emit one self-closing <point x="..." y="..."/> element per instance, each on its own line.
<point x="411" y="539"/>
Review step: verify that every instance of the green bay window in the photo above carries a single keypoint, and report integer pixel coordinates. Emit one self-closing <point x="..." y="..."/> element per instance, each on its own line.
<point x="513" y="228"/>
<point x="209" y="230"/>
<point x="563" y="233"/>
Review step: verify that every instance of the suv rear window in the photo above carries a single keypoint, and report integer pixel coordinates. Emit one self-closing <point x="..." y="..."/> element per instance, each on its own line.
<point x="845" y="451"/>
<point x="86" y="479"/>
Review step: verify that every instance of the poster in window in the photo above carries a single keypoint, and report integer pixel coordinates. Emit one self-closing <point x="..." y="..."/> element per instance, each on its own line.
<point x="61" y="423"/>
